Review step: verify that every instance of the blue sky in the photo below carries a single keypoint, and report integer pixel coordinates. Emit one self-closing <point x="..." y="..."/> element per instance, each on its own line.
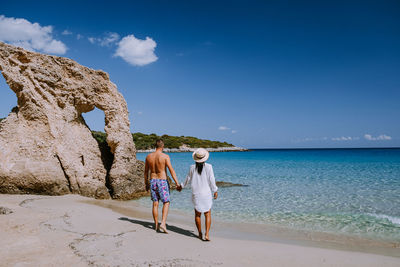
<point x="266" y="74"/>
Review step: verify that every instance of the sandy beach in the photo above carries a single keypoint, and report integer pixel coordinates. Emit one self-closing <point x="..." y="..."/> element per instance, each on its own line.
<point x="72" y="230"/>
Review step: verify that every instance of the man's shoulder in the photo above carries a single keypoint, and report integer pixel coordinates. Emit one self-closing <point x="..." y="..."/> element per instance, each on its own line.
<point x="166" y="156"/>
<point x="150" y="156"/>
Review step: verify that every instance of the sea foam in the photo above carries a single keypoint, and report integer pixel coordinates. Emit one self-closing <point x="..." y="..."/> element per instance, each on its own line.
<point x="392" y="219"/>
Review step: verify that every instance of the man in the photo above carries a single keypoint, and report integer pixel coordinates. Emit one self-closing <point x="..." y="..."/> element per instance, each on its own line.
<point x="157" y="163"/>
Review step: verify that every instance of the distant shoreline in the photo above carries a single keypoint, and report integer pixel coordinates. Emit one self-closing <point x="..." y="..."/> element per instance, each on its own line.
<point x="188" y="149"/>
<point x="323" y="148"/>
<point x="239" y="149"/>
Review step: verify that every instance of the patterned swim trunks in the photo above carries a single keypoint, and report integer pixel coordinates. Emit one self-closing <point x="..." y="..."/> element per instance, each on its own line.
<point x="159" y="189"/>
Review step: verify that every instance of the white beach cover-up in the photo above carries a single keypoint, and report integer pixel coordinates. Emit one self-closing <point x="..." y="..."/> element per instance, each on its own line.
<point x="203" y="185"/>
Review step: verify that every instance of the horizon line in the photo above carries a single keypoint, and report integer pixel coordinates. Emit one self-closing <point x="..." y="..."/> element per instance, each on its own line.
<point x="322" y="148"/>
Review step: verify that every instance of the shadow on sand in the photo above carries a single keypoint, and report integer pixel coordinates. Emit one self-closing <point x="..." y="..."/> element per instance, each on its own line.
<point x="150" y="225"/>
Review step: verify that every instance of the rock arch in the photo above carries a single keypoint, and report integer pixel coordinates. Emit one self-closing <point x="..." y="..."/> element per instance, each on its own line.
<point x="45" y="144"/>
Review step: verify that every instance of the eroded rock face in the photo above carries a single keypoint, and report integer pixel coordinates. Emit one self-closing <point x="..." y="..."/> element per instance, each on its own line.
<point x="45" y="144"/>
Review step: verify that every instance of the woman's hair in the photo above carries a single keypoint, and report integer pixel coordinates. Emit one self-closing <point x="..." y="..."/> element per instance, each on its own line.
<point x="199" y="167"/>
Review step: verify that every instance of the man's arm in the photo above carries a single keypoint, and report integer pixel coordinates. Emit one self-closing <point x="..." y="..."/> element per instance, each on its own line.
<point x="146" y="175"/>
<point x="172" y="171"/>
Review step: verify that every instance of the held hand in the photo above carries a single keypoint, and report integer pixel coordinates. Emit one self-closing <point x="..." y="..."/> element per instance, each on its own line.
<point x="215" y="195"/>
<point x="179" y="188"/>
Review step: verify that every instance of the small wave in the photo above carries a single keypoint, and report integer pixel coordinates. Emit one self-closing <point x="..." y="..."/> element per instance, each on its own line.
<point x="392" y="219"/>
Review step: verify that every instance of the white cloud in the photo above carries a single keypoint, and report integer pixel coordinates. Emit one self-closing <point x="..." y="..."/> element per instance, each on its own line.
<point x="31" y="36"/>
<point x="223" y="128"/>
<point x="140" y="113"/>
<point x="66" y="32"/>
<point x="368" y="137"/>
<point x="345" y="138"/>
<point x="108" y="39"/>
<point x="234" y="131"/>
<point x="324" y="138"/>
<point x="79" y="36"/>
<point x="92" y="39"/>
<point x="380" y="137"/>
<point x="135" y="51"/>
<point x="384" y="137"/>
<point x="308" y="139"/>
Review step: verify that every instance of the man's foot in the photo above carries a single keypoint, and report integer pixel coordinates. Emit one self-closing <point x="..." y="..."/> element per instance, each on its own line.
<point x="163" y="229"/>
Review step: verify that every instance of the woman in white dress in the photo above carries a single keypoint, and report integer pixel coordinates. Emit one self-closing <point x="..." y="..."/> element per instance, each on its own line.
<point x="201" y="180"/>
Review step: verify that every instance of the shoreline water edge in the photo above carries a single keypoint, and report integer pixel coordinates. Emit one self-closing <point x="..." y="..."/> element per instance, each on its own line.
<point x="190" y="149"/>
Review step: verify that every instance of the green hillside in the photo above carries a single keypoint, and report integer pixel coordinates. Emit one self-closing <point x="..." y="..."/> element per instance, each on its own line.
<point x="146" y="141"/>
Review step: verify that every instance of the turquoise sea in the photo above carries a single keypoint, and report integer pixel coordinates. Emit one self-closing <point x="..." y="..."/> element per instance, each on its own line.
<point x="354" y="192"/>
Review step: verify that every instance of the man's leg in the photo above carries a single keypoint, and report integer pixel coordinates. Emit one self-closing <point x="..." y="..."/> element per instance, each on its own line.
<point x="208" y="223"/>
<point x="197" y="220"/>
<point x="163" y="225"/>
<point x="155" y="214"/>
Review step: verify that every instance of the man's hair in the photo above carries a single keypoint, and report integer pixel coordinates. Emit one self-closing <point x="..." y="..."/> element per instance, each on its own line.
<point x="159" y="143"/>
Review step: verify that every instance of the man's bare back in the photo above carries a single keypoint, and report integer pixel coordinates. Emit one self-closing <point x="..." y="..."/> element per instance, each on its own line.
<point x="157" y="164"/>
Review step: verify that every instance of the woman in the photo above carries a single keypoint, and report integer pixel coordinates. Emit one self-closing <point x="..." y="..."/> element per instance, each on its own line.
<point x="201" y="180"/>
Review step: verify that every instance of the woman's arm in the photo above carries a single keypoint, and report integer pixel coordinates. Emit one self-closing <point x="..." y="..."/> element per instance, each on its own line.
<point x="211" y="180"/>
<point x="188" y="178"/>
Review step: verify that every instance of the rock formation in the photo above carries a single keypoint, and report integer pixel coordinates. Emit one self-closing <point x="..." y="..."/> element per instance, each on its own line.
<point x="228" y="184"/>
<point x="46" y="146"/>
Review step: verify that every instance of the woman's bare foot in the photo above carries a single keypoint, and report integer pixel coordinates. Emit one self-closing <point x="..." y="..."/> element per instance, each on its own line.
<point x="200" y="236"/>
<point x="163" y="229"/>
<point x="207" y="238"/>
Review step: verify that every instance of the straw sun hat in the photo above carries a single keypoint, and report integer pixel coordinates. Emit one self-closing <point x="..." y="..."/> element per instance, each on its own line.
<point x="200" y="155"/>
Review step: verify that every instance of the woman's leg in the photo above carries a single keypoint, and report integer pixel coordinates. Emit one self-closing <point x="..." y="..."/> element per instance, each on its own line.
<point x="197" y="220"/>
<point x="208" y="223"/>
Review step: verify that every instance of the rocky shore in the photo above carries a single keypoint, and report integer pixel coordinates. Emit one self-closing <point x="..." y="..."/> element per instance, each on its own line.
<point x="190" y="149"/>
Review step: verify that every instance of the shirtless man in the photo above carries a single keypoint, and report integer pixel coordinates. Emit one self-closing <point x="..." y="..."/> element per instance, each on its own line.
<point x="157" y="163"/>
